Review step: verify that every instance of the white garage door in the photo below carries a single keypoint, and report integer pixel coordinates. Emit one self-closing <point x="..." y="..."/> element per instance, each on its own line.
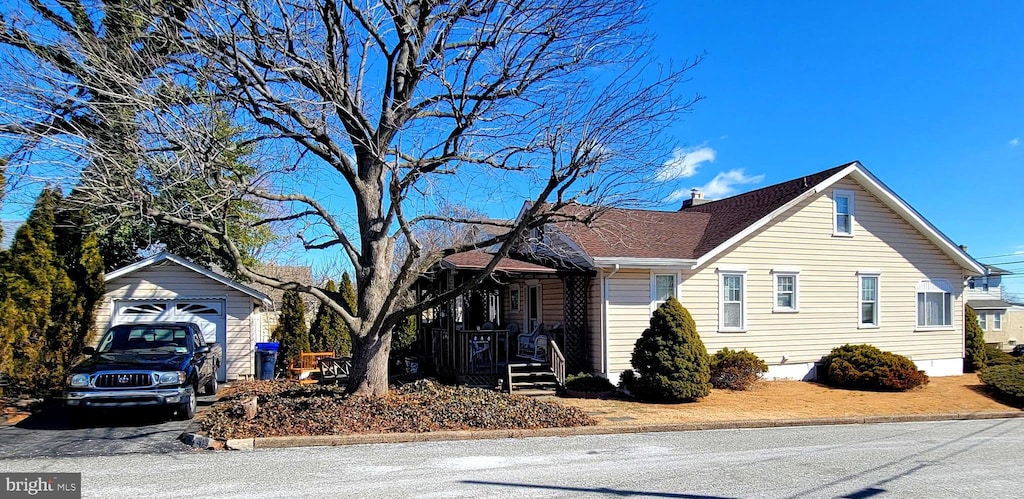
<point x="207" y="314"/>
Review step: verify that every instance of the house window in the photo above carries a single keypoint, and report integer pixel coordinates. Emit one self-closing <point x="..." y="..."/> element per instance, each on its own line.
<point x="868" y="301"/>
<point x="786" y="292"/>
<point x="997" y="321"/>
<point x="843" y="208"/>
<point x="664" y="288"/>
<point x="983" y="321"/>
<point x="970" y="283"/>
<point x="513" y="299"/>
<point x="733" y="302"/>
<point x="935" y="304"/>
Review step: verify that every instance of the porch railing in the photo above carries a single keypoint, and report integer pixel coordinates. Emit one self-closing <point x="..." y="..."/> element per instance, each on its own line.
<point x="557" y="363"/>
<point x="471" y="357"/>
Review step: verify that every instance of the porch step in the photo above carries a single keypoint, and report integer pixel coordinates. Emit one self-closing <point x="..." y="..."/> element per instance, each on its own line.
<point x="532" y="377"/>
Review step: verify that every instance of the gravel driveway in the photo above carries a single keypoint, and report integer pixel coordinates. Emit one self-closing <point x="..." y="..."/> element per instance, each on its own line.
<point x="50" y="434"/>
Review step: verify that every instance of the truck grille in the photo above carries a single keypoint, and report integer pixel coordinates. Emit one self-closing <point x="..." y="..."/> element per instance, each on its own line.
<point x="124" y="380"/>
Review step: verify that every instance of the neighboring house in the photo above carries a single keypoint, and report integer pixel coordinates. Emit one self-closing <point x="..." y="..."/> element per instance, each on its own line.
<point x="167" y="287"/>
<point x="286" y="273"/>
<point x="1002" y="322"/>
<point x="788" y="271"/>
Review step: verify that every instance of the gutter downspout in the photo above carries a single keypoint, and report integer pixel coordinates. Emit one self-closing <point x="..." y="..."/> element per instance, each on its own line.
<point x="604" y="317"/>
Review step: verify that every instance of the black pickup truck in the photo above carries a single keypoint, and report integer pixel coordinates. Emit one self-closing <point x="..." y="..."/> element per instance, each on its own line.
<point x="139" y="365"/>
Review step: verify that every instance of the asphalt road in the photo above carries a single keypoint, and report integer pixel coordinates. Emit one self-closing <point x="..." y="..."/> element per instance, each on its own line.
<point x="939" y="459"/>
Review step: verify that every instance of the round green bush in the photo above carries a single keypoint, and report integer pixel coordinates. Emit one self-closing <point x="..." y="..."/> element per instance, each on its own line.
<point x="734" y="370"/>
<point x="866" y="367"/>
<point x="670" y="361"/>
<point x="1007" y="381"/>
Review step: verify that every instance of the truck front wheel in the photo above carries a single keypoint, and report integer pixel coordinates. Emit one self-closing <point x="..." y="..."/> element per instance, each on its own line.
<point x="187" y="408"/>
<point x="211" y="386"/>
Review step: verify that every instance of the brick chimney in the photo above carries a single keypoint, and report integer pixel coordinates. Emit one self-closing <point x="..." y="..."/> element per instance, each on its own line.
<point x="696" y="198"/>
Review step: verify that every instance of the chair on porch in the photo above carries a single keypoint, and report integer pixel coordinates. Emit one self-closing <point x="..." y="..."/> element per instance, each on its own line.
<point x="530" y="343"/>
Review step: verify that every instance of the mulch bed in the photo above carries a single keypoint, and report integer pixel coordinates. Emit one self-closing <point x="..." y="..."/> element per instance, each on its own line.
<point x="287" y="409"/>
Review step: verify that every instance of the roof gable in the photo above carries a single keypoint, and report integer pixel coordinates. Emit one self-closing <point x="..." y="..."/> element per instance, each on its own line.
<point x="731" y="215"/>
<point x="702" y="232"/>
<point x="188" y="264"/>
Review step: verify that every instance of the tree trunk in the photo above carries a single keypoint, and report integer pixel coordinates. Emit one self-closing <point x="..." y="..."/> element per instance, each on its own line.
<point x="370" y="356"/>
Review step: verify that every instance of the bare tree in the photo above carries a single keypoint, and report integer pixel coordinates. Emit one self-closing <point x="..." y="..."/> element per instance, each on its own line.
<point x="367" y="115"/>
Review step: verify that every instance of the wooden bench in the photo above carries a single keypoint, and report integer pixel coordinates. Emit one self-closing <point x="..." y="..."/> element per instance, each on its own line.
<point x="308" y="363"/>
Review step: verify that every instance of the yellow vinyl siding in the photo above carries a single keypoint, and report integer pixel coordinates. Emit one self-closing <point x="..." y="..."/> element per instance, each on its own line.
<point x="629" y="313"/>
<point x="828" y="288"/>
<point x="595" y="311"/>
<point x="828" y="285"/>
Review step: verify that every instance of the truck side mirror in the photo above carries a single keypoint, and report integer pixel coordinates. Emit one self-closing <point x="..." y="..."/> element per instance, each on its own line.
<point x="88" y="351"/>
<point x="203" y="349"/>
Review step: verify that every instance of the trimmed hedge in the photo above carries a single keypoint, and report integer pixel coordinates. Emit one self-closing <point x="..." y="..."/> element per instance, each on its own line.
<point x="586" y="382"/>
<point x="1006" y="381"/>
<point x="997" y="357"/>
<point x="671" y="362"/>
<point x="736" y="370"/>
<point x="868" y="368"/>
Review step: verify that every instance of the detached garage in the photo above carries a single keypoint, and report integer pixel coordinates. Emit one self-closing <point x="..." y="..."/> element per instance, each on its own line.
<point x="168" y="288"/>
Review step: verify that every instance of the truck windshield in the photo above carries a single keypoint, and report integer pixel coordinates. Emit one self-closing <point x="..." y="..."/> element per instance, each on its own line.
<point x="142" y="338"/>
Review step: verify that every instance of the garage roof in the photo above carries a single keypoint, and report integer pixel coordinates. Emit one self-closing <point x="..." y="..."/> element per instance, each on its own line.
<point x="184" y="262"/>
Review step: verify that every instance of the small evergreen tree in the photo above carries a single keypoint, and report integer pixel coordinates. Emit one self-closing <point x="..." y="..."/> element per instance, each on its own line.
<point x="670" y="358"/>
<point x="974" y="342"/>
<point x="28" y="276"/>
<point x="291" y="330"/>
<point x="52" y="281"/>
<point x="328" y="332"/>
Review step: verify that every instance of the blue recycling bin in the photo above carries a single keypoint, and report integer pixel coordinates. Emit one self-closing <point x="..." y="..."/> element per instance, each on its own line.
<point x="266" y="359"/>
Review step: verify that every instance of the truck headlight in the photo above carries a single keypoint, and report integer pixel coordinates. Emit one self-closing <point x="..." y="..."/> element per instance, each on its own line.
<point x="78" y="380"/>
<point x="170" y="378"/>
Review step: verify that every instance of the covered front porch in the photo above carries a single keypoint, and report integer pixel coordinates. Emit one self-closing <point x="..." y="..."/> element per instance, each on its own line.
<point x="524" y="315"/>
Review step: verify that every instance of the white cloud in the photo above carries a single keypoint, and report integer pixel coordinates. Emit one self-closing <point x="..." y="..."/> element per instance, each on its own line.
<point x="723" y="185"/>
<point x="1014" y="141"/>
<point x="684" y="162"/>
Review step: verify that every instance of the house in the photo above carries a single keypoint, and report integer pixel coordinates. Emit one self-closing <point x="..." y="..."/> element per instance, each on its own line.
<point x="788" y="271"/>
<point x="1002" y="322"/>
<point x="167" y="287"/>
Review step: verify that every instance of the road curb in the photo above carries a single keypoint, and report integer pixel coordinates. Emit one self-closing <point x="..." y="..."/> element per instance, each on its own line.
<point x="203" y="442"/>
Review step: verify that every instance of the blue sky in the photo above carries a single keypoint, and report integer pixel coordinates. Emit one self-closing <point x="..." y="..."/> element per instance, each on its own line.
<point x="927" y="95"/>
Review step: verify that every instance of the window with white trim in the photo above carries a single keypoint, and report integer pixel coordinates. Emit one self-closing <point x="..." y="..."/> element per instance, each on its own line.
<point x="868" y="300"/>
<point x="786" y="292"/>
<point x="983" y="321"/>
<point x="842" y="206"/>
<point x="732" y="302"/>
<point x="935" y="304"/>
<point x="997" y="321"/>
<point x="664" y="287"/>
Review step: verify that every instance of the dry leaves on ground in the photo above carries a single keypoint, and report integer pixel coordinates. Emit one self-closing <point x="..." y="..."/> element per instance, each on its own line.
<point x="287" y="408"/>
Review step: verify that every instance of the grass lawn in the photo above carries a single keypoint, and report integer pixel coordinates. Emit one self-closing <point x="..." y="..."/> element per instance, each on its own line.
<point x="799" y="399"/>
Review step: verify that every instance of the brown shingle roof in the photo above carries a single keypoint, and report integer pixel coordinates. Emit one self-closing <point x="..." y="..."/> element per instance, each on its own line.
<point x="688" y="233"/>
<point x="479" y="260"/>
<point x="628" y="233"/>
<point x="296" y="273"/>
<point x="731" y="215"/>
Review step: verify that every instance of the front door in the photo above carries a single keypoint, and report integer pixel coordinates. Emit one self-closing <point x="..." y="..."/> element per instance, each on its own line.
<point x="533" y="307"/>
